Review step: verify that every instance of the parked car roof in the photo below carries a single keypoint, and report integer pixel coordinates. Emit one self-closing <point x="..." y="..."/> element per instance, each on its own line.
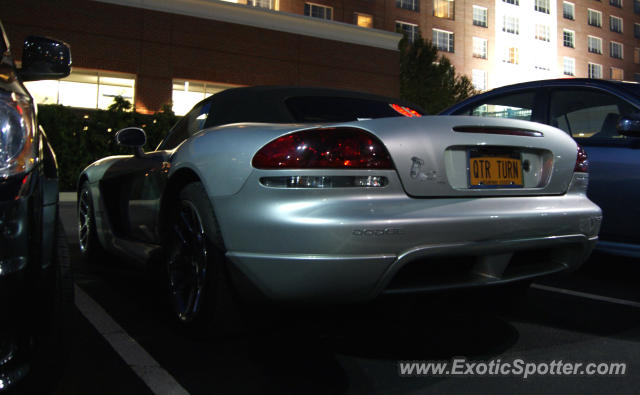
<point x="624" y="88"/>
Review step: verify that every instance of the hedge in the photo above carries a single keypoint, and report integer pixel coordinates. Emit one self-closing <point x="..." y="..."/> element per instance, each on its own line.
<point x="80" y="137"/>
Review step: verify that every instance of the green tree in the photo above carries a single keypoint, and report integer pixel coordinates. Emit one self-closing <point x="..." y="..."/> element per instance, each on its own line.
<point x="429" y="80"/>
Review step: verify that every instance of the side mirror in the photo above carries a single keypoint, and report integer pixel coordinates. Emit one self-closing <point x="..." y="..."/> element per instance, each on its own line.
<point x="45" y="59"/>
<point x="132" y="137"/>
<point x="629" y="125"/>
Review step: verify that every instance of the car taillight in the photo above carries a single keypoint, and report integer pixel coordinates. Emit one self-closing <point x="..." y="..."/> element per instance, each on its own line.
<point x="405" y="111"/>
<point x="326" y="148"/>
<point x="582" y="161"/>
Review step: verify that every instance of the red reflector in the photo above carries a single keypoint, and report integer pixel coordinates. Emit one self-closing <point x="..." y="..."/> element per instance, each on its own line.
<point x="498" y="130"/>
<point x="406" y="111"/>
<point x="334" y="148"/>
<point x="582" y="161"/>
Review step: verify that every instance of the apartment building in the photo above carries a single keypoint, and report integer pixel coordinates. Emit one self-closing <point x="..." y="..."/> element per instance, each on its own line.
<point x="499" y="42"/>
<point x="599" y="39"/>
<point x="179" y="51"/>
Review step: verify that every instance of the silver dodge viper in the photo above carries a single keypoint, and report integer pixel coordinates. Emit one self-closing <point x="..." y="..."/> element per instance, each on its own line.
<point x="308" y="194"/>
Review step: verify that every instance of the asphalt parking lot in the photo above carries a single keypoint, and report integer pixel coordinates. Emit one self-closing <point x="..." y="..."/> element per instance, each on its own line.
<point x="591" y="316"/>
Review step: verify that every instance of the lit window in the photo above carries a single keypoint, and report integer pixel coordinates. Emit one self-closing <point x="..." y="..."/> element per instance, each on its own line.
<point x="479" y="48"/>
<point x="594" y="18"/>
<point x="84" y="89"/>
<point x="569" y="66"/>
<point x="46" y="91"/>
<point x="479" y="79"/>
<point x="413" y="5"/>
<point x="636" y="30"/>
<point x="568" y="38"/>
<point x="261" y="3"/>
<point x="542" y="32"/>
<point x="510" y="24"/>
<point x="594" y="44"/>
<point x="480" y="16"/>
<point x="443" y="9"/>
<point x="542" y="6"/>
<point x="617" y="74"/>
<point x="615" y="24"/>
<point x="616" y="3"/>
<point x="568" y="10"/>
<point x="318" y="11"/>
<point x="542" y="63"/>
<point x="616" y="50"/>
<point x="511" y="55"/>
<point x="408" y="29"/>
<point x="187" y="94"/>
<point x="636" y="55"/>
<point x="514" y="2"/>
<point x="594" y="70"/>
<point x="270" y="4"/>
<point x="443" y="40"/>
<point x="363" y="20"/>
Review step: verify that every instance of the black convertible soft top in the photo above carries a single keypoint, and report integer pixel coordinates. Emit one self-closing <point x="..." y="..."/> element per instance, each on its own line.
<point x="286" y="104"/>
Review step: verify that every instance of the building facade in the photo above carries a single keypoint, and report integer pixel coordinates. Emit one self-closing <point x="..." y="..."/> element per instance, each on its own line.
<point x="156" y="52"/>
<point x="500" y="42"/>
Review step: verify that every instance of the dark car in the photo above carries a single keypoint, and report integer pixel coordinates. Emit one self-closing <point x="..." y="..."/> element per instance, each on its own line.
<point x="36" y="291"/>
<point x="604" y="118"/>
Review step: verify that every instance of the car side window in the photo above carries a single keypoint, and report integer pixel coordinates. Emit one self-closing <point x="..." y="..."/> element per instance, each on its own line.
<point x="513" y="105"/>
<point x="189" y="125"/>
<point x="588" y="113"/>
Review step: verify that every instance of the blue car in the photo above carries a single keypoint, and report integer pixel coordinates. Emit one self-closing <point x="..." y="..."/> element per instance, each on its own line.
<point x="604" y="118"/>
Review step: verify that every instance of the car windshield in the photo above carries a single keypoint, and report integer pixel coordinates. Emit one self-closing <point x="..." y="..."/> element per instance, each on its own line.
<point x="341" y="109"/>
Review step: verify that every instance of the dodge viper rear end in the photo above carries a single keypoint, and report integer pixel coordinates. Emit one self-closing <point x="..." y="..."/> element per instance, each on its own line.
<point x="349" y="211"/>
<point x="306" y="194"/>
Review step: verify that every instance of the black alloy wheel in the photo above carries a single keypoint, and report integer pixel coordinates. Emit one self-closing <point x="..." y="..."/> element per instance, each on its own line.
<point x="90" y="247"/>
<point x="187" y="263"/>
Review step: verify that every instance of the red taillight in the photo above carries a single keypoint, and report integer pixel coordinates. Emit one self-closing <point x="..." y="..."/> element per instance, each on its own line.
<point x="333" y="148"/>
<point x="406" y="111"/>
<point x="582" y="162"/>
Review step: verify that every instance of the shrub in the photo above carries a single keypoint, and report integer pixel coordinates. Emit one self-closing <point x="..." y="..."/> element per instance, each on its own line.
<point x="80" y="137"/>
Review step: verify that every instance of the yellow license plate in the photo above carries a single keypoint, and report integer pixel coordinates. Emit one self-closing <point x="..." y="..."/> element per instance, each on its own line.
<point x="495" y="171"/>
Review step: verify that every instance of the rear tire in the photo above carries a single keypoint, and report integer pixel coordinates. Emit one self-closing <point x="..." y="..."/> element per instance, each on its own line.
<point x="195" y="265"/>
<point x="90" y="248"/>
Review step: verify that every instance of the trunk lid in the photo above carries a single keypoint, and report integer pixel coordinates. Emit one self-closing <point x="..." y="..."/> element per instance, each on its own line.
<point x="474" y="156"/>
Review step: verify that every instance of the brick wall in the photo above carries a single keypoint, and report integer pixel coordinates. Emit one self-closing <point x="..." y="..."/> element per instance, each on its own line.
<point x="157" y="47"/>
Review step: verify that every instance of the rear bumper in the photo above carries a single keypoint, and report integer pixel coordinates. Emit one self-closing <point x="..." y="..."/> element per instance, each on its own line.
<point x="324" y="278"/>
<point x="332" y="245"/>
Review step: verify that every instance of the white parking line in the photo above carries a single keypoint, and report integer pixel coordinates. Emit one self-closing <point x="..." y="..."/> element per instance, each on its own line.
<point x="600" y="298"/>
<point x="143" y="364"/>
<point x="67" y="197"/>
